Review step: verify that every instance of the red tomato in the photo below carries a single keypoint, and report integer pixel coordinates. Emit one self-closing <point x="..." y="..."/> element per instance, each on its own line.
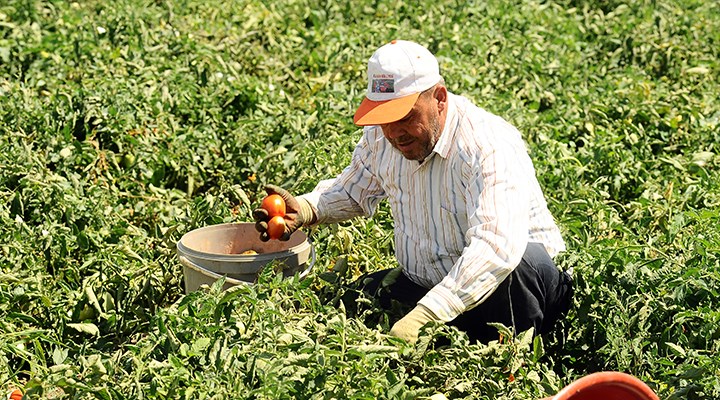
<point x="274" y="205"/>
<point x="15" y="395"/>
<point x="276" y="227"/>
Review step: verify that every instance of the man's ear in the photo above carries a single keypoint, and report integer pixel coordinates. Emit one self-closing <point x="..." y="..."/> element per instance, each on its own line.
<point x="441" y="96"/>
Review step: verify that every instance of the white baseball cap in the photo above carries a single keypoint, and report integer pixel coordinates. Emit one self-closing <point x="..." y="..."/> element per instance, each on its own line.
<point x="397" y="73"/>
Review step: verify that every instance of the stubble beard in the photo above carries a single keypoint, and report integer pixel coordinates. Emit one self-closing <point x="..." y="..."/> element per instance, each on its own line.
<point x="433" y="137"/>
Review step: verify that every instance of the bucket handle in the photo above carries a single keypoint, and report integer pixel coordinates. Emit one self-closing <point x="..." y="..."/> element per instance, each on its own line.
<point x="310" y="264"/>
<point x="186" y="262"/>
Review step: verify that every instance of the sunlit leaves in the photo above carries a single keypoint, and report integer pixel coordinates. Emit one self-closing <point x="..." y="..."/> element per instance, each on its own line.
<point x="124" y="124"/>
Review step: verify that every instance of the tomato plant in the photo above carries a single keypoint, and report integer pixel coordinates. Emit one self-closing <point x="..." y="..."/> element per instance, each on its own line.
<point x="125" y="124"/>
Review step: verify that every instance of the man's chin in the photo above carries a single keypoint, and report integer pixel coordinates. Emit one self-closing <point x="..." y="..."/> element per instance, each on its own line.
<point x="409" y="152"/>
<point x="413" y="156"/>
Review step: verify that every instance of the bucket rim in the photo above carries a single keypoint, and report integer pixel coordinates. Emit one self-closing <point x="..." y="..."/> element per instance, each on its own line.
<point x="297" y="249"/>
<point x="599" y="380"/>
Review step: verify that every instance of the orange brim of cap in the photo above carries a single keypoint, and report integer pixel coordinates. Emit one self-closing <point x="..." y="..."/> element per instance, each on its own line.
<point x="384" y="112"/>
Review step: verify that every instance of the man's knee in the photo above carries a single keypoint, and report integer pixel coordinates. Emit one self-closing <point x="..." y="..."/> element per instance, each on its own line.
<point x="543" y="279"/>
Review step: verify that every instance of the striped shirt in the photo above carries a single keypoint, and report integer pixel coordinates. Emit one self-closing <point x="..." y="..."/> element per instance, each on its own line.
<point x="463" y="217"/>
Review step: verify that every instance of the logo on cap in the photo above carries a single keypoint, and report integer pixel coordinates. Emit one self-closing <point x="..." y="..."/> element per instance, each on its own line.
<point x="383" y="86"/>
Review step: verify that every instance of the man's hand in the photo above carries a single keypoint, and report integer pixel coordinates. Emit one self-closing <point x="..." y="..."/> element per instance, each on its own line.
<point x="408" y="327"/>
<point x="297" y="213"/>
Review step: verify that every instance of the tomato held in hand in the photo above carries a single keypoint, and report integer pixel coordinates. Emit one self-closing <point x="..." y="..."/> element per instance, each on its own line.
<point x="274" y="205"/>
<point x="276" y="227"/>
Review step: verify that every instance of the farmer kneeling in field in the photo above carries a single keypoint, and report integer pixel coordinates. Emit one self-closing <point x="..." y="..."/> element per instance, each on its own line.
<point x="473" y="233"/>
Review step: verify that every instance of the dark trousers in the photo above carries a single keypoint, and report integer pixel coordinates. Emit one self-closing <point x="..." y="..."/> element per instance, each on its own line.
<point x="536" y="294"/>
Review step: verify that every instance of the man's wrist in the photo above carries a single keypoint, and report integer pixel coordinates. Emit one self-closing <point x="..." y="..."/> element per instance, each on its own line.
<point x="424" y="314"/>
<point x="306" y="215"/>
<point x="443" y="303"/>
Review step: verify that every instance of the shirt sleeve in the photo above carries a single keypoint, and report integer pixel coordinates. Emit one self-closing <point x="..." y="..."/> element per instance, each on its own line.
<point x="355" y="192"/>
<point x="498" y="220"/>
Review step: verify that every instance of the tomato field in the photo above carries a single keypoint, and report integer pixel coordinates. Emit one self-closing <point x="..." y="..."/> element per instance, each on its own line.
<point x="125" y="124"/>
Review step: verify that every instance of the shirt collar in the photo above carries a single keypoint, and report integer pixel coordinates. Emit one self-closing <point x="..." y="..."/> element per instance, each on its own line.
<point x="444" y="143"/>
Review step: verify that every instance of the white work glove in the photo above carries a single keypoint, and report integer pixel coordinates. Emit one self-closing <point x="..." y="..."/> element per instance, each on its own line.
<point x="408" y="327"/>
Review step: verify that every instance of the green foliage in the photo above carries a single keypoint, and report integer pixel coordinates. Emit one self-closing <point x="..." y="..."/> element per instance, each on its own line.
<point x="125" y="124"/>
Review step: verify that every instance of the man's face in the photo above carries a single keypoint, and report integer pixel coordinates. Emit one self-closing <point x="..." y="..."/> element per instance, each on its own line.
<point x="415" y="135"/>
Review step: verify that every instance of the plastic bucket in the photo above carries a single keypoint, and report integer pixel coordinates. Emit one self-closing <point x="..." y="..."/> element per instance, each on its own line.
<point x="211" y="252"/>
<point x="608" y="385"/>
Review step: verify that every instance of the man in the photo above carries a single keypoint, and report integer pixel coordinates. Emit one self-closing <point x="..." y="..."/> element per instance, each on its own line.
<point x="473" y="234"/>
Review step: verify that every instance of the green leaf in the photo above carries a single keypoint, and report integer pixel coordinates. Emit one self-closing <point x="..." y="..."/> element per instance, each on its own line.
<point x="200" y="345"/>
<point x="89" y="328"/>
<point x="678" y="350"/>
